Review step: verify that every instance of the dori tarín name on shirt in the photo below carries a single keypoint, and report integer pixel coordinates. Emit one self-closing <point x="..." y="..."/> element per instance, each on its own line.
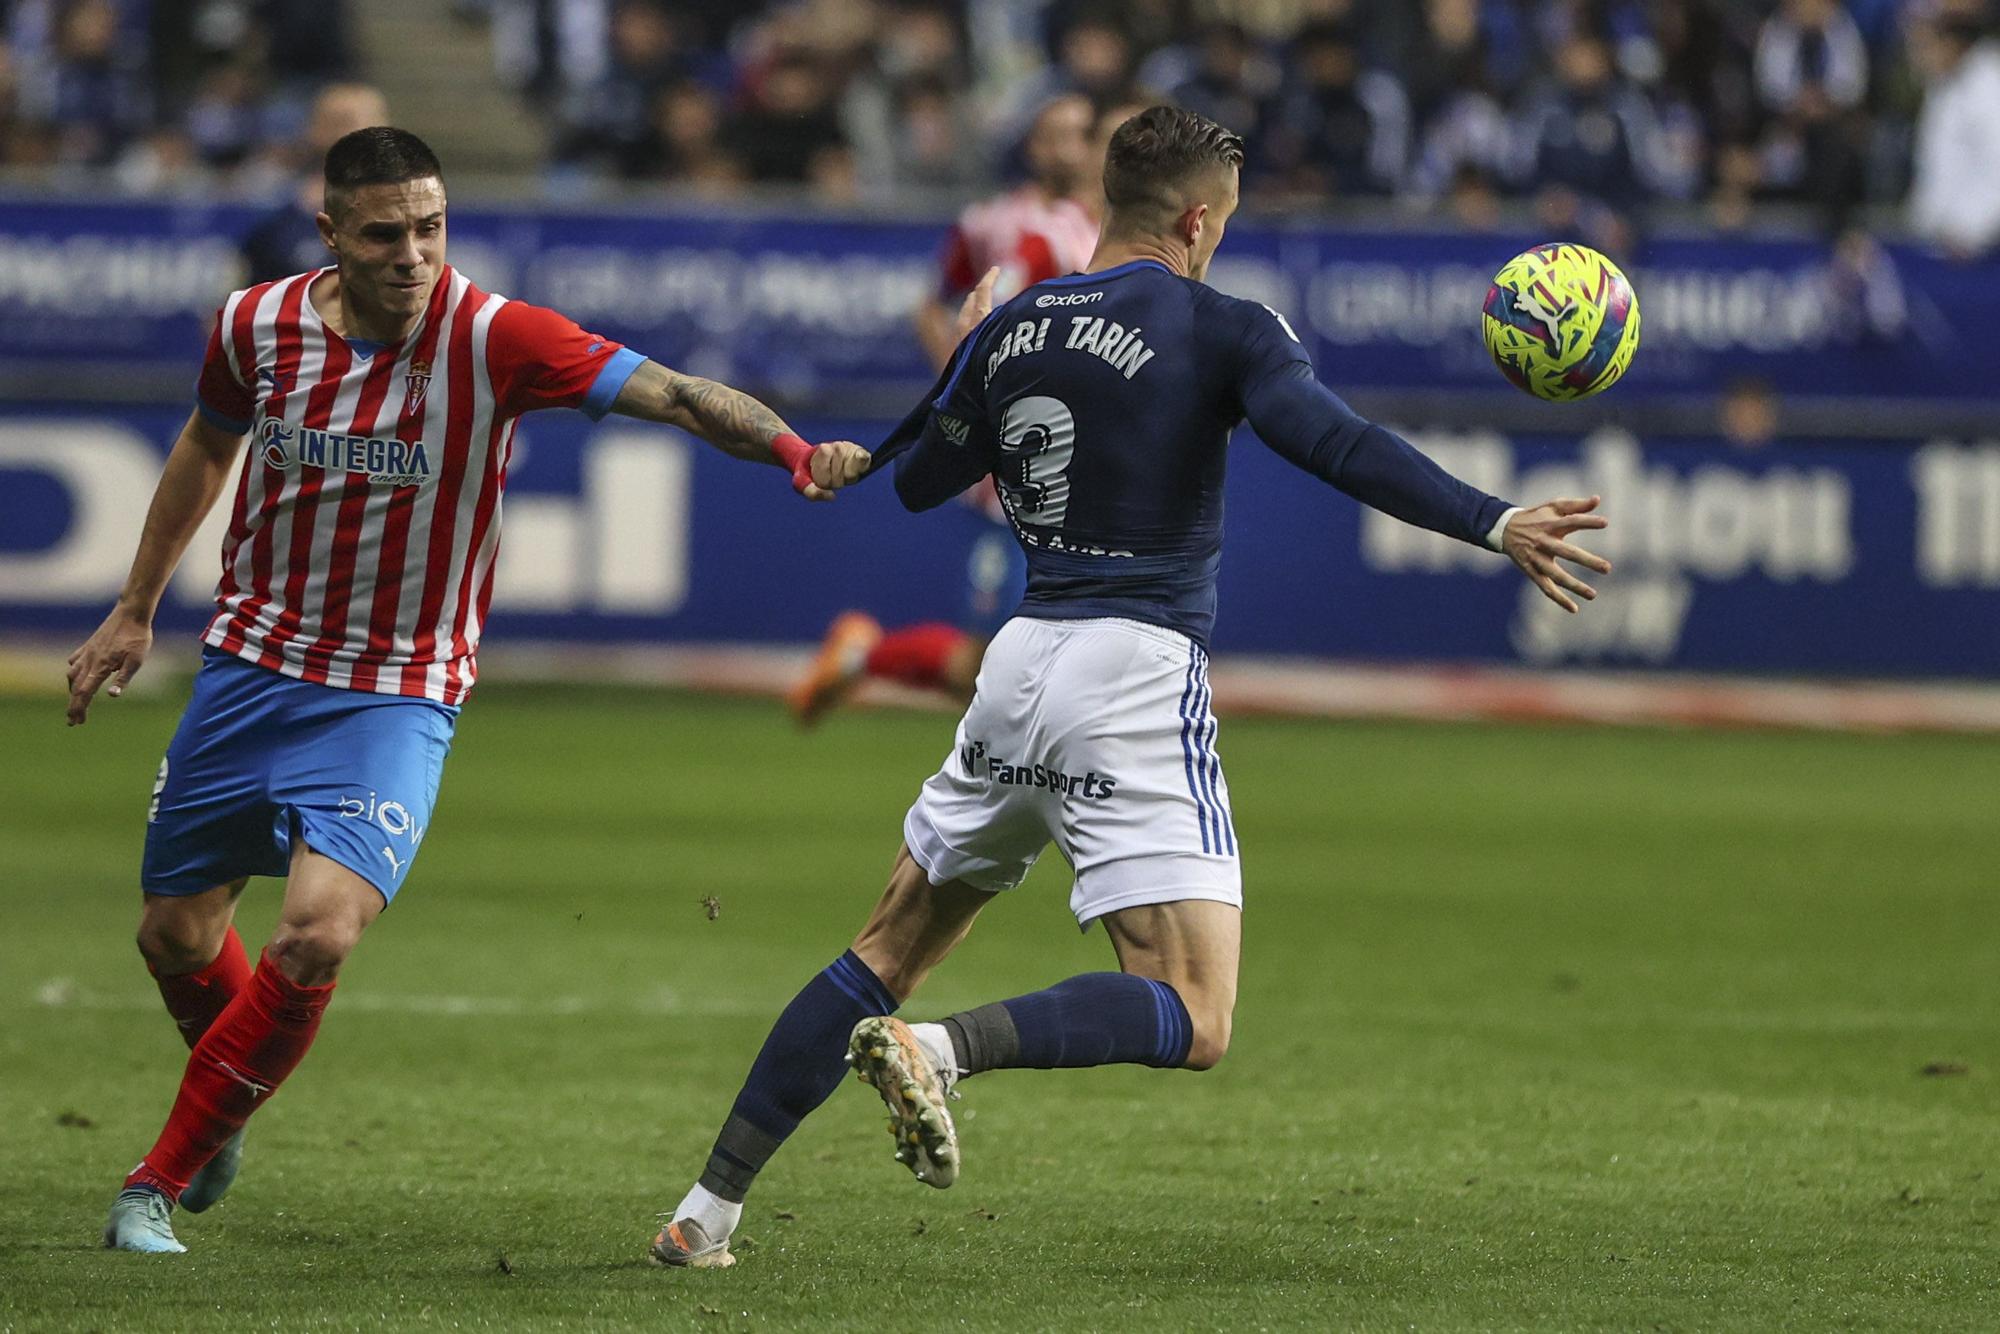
<point x="1123" y="349"/>
<point x="387" y="460"/>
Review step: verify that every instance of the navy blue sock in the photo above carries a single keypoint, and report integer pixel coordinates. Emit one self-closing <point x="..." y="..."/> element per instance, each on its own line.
<point x="1095" y="1019"/>
<point x="800" y="1065"/>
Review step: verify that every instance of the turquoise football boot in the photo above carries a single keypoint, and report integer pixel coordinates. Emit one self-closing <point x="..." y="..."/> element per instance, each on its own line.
<point x="141" y="1220"/>
<point x="216" y="1176"/>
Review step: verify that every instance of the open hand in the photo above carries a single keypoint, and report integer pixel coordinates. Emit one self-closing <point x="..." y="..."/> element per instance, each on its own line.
<point x="114" y="653"/>
<point x="1533" y="540"/>
<point x="835" y="464"/>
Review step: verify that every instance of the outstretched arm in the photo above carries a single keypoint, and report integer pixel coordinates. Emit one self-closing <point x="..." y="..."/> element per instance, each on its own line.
<point x="739" y="426"/>
<point x="194" y="475"/>
<point x="1308" y="424"/>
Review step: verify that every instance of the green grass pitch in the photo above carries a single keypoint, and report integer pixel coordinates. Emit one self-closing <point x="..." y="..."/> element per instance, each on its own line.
<point x="1539" y="1028"/>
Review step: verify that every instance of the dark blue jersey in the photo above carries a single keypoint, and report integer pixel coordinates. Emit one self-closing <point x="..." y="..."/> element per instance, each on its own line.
<point x="1102" y="404"/>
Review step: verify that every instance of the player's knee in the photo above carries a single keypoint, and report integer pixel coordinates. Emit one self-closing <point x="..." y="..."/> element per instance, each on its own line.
<point x="310" y="951"/>
<point x="1211" y="1022"/>
<point x="174" y="943"/>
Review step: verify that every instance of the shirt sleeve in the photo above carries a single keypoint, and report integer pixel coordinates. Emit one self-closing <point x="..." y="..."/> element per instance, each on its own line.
<point x="541" y="359"/>
<point x="1264" y="345"/>
<point x="945" y="444"/>
<point x="1308" y="424"/>
<point x="219" y="396"/>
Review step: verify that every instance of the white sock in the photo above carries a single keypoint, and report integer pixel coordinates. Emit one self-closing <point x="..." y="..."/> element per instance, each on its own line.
<point x="935" y="1039"/>
<point x="718" y="1217"/>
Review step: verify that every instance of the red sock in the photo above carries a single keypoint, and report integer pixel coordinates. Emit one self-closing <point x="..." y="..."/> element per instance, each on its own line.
<point x="244" y="1056"/>
<point x="195" y="999"/>
<point x="916" y="655"/>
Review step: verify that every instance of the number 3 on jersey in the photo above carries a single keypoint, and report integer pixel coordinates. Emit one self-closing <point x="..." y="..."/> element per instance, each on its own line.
<point x="1037" y="438"/>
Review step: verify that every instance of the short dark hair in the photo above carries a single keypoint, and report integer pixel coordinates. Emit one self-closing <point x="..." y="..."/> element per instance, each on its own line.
<point x="378" y="155"/>
<point x="1154" y="155"/>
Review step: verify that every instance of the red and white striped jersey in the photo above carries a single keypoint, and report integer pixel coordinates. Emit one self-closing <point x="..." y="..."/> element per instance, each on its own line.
<point x="1029" y="237"/>
<point x="367" y="517"/>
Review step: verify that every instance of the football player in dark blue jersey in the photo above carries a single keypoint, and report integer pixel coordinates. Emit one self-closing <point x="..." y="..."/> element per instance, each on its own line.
<point x="1102" y="403"/>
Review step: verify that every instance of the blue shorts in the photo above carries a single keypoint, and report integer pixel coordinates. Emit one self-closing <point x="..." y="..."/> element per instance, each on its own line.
<point x="261" y="760"/>
<point x="996" y="577"/>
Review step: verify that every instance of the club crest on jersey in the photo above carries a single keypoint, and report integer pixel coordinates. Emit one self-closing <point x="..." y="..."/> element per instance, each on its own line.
<point x="415" y="385"/>
<point x="389" y="461"/>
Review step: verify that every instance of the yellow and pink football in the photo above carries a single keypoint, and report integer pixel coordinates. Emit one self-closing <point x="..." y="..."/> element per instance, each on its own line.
<point x="1561" y="322"/>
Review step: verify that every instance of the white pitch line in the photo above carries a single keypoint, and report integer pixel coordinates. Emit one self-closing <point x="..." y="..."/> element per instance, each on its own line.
<point x="62" y="993"/>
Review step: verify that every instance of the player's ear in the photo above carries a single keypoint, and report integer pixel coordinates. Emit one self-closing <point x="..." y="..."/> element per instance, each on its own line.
<point x="1192" y="223"/>
<point x="324" y="221"/>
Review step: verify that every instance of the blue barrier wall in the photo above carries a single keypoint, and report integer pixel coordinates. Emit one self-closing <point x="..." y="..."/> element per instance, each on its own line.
<point x="1873" y="559"/>
<point x="816" y="306"/>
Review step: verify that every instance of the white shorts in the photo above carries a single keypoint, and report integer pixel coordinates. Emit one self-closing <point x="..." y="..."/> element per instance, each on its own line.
<point x="1096" y="734"/>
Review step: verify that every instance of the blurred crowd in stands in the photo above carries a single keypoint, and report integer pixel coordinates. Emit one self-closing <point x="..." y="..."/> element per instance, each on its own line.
<point x="1593" y="110"/>
<point x="159" y="92"/>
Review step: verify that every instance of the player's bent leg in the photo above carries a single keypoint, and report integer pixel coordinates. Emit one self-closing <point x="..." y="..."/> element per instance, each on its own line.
<point x="196" y="958"/>
<point x="913" y="926"/>
<point x="1195" y="947"/>
<point x="1169" y="1007"/>
<point x="256" y="1043"/>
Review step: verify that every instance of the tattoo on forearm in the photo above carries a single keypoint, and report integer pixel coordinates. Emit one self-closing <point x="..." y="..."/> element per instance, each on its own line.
<point x="729" y="419"/>
<point x="726" y="416"/>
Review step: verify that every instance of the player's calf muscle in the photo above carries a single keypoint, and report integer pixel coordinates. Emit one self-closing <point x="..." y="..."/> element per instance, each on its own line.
<point x="914" y="926"/>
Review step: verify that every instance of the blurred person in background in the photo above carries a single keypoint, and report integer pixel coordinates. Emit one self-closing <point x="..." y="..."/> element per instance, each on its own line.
<point x="1955" y="192"/>
<point x="1747" y="414"/>
<point x="608" y="122"/>
<point x="16" y="137"/>
<point x="904" y="109"/>
<point x="1093" y="57"/>
<point x="305" y="43"/>
<point x="1232" y="82"/>
<point x="1812" y="75"/>
<point x="246" y="75"/>
<point x="1444" y="55"/>
<point x="1466" y="142"/>
<point x="549" y="49"/>
<point x="1337" y="128"/>
<point x="99" y="94"/>
<point x="788" y="130"/>
<point x="225" y="117"/>
<point x="287" y="239"/>
<point x="1044" y="229"/>
<point x="1587" y="144"/>
<point x="684" y="149"/>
